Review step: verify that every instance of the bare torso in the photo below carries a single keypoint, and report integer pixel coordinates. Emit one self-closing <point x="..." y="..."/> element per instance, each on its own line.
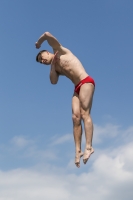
<point x="69" y="65"/>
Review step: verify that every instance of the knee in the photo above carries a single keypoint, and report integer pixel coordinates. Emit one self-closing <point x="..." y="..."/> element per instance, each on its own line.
<point x="86" y="117"/>
<point x="76" y="119"/>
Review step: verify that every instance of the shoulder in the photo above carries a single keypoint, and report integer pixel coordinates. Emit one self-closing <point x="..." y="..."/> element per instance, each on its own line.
<point x="62" y="50"/>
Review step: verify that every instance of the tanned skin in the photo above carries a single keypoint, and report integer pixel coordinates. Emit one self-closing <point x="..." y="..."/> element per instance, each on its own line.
<point x="64" y="62"/>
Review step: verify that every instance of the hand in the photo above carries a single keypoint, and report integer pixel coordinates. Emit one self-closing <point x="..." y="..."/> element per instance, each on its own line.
<point x="37" y="45"/>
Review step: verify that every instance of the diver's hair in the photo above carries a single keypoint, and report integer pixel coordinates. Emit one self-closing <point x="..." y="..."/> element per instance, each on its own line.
<point x="39" y="54"/>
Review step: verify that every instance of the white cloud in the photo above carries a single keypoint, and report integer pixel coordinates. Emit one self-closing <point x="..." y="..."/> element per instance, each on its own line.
<point x="109" y="177"/>
<point x="29" y="184"/>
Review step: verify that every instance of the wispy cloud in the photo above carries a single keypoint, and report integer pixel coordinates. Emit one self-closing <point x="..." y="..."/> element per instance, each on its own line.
<point x="26" y="149"/>
<point x="21" y="142"/>
<point x="63" y="139"/>
<point x="105" y="132"/>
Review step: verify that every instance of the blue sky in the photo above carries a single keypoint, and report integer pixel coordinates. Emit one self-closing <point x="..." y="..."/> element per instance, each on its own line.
<point x="36" y="140"/>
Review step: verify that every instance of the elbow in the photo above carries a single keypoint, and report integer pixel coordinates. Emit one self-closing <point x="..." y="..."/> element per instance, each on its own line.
<point x="53" y="82"/>
<point x="53" y="78"/>
<point x="47" y="33"/>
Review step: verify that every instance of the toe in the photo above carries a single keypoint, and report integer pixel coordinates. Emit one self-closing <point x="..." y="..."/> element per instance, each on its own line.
<point x="77" y="164"/>
<point x="85" y="161"/>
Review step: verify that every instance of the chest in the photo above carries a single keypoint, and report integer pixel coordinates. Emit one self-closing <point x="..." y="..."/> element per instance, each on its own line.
<point x="62" y="65"/>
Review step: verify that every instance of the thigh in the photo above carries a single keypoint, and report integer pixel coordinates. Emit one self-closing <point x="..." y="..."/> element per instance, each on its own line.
<point x="75" y="105"/>
<point x="86" y="96"/>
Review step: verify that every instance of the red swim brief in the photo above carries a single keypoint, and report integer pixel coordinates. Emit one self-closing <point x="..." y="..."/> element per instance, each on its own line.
<point x="88" y="79"/>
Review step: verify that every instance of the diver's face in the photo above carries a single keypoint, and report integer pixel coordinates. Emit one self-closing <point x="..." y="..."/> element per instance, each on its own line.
<point x="45" y="58"/>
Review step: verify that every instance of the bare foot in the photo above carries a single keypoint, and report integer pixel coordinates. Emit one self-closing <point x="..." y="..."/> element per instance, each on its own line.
<point x="77" y="158"/>
<point x="87" y="154"/>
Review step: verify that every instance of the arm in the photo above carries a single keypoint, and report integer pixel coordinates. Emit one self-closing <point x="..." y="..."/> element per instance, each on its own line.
<point x="52" y="41"/>
<point x="53" y="75"/>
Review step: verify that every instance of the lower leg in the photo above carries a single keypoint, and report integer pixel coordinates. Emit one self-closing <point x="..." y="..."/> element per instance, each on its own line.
<point x="77" y="131"/>
<point x="88" y="125"/>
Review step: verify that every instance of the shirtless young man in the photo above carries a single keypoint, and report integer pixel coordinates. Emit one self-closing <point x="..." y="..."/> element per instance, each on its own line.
<point x="63" y="62"/>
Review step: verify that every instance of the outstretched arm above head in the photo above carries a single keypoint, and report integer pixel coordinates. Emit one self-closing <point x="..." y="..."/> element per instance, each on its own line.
<point x="52" y="41"/>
